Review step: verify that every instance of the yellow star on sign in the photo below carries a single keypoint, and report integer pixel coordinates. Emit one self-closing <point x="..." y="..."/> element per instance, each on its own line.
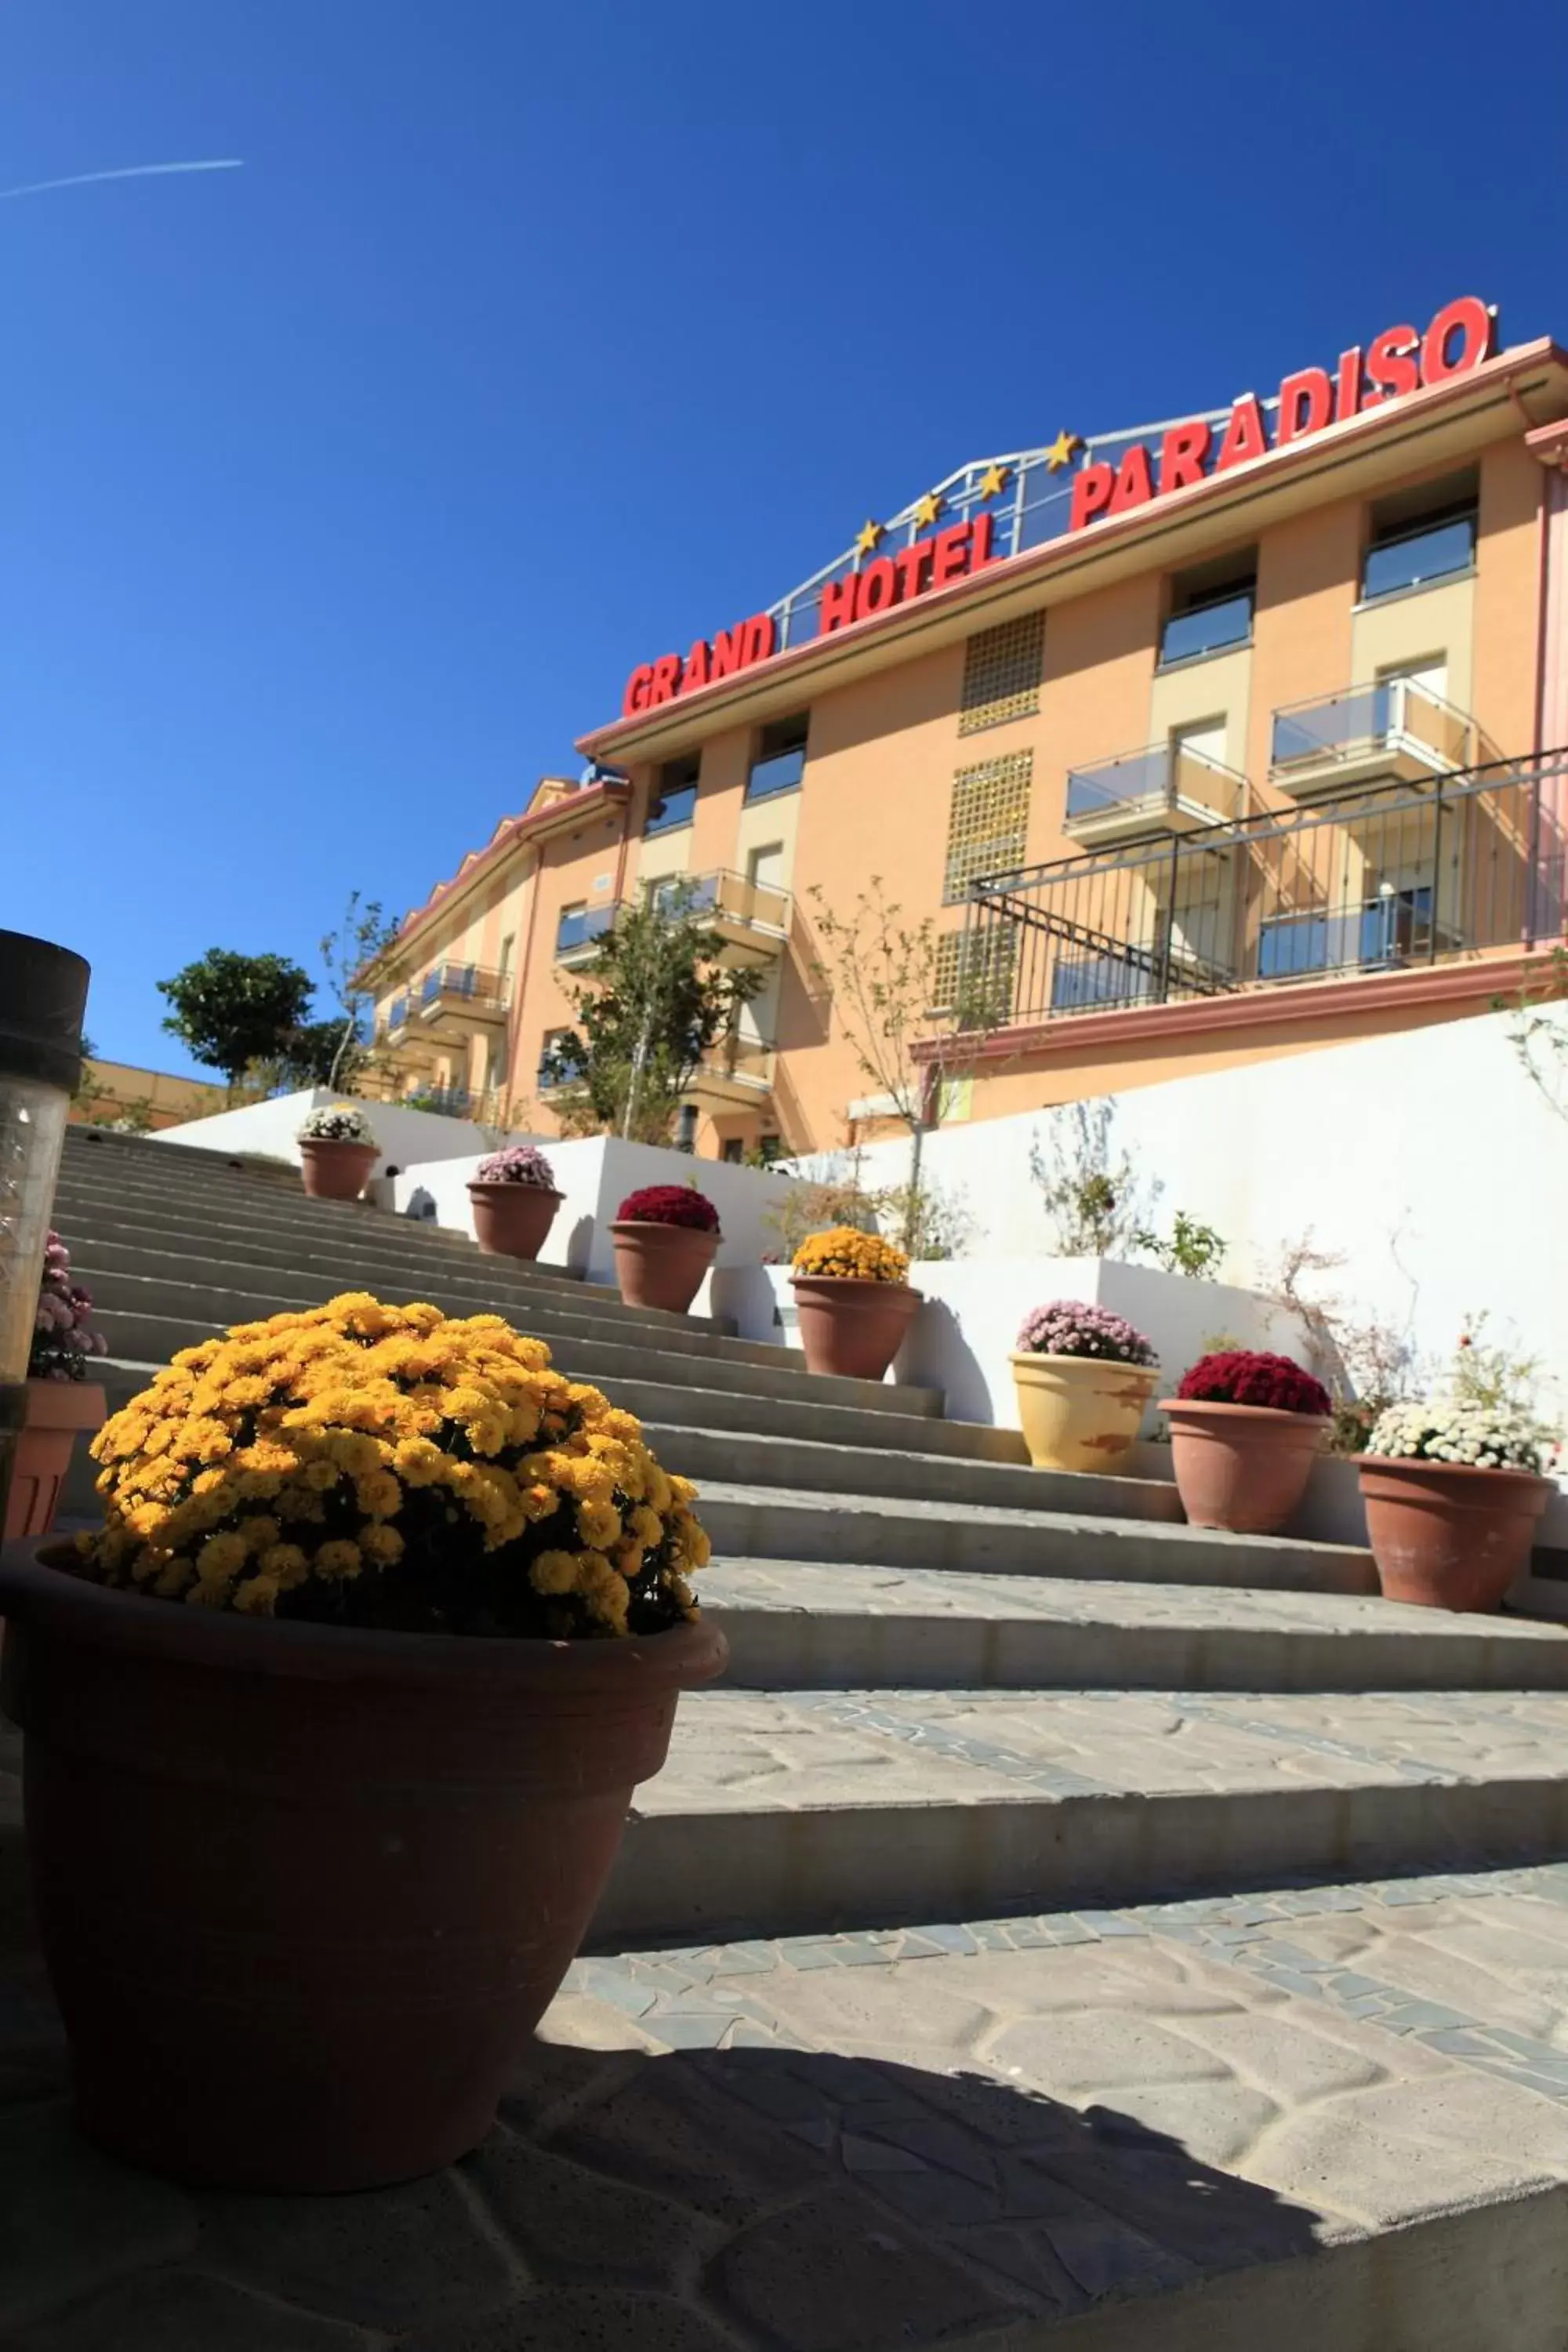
<point x="928" y="509"/>
<point x="1062" y="451"/>
<point x="992" y="481"/>
<point x="868" y="536"/>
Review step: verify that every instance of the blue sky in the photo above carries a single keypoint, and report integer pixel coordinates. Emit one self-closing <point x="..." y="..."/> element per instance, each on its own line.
<point x="339" y="493"/>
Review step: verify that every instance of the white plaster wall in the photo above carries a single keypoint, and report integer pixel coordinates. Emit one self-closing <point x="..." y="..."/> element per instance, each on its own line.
<point x="404" y="1135"/>
<point x="1427" y="1158"/>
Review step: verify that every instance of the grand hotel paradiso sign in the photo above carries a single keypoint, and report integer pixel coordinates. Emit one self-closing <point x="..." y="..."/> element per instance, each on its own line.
<point x="1000" y="507"/>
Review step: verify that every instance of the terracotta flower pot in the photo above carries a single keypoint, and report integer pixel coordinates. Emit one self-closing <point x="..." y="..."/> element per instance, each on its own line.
<point x="661" y="1265"/>
<point x="304" y="1893"/>
<point x="335" y="1172"/>
<point x="1241" y="1466"/>
<point x="58" y="1413"/>
<point x="1080" y="1412"/>
<point x="512" y="1220"/>
<point x="1446" y="1536"/>
<point x="852" y="1327"/>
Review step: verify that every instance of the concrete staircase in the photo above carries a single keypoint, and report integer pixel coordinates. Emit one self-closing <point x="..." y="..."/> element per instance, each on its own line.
<point x="973" y="1711"/>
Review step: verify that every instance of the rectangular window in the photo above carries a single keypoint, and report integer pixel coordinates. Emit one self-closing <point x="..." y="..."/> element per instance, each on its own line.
<point x="1002" y="672"/>
<point x="1210" y="609"/>
<point x="549" y="1076"/>
<point x="780" y="764"/>
<point x="507" y="946"/>
<point x="674" y="802"/>
<point x="733" y="1149"/>
<point x="988" y="822"/>
<point x="1420" y="536"/>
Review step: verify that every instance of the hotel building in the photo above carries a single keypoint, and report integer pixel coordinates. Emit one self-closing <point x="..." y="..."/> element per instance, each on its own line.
<point x="1210" y="741"/>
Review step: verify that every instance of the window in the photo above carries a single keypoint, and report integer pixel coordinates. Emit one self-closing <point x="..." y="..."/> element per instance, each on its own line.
<point x="686" y="1128"/>
<point x="578" y="926"/>
<point x="1420" y="536"/>
<point x="974" y="975"/>
<point x="1001" y="669"/>
<point x="507" y="946"/>
<point x="988" y="822"/>
<point x="780" y="764"/>
<point x="675" y="800"/>
<point x="548" y="1076"/>
<point x="1210" y="609"/>
<point x="769" y="1149"/>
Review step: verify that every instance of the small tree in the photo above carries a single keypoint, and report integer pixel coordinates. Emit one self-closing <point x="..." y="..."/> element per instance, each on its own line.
<point x="883" y="974"/>
<point x="652" y="1004"/>
<point x="1094" y="1198"/>
<point x="231" y="1010"/>
<point x="348" y="954"/>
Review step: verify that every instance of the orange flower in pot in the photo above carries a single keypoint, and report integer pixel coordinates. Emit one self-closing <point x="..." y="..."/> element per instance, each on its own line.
<point x="332" y="1733"/>
<point x="1246" y="1429"/>
<point x="666" y="1237"/>
<point x="514" y="1200"/>
<point x="1454" y="1491"/>
<point x="854" y="1302"/>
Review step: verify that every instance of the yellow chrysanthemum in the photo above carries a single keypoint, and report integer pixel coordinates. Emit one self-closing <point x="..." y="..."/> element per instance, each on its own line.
<point x="843" y="1255"/>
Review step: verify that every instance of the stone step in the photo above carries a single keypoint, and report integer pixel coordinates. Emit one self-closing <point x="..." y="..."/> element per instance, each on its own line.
<point x="1333" y="2116"/>
<point x="206" y="1306"/>
<point x="757" y="1458"/>
<point x="780" y="1524"/>
<point x="324" y="1275"/>
<point x="806" y="1625"/>
<point x="787" y="1812"/>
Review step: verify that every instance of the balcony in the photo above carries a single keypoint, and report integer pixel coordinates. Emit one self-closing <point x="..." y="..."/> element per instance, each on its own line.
<point x="398" y="1045"/>
<point x="1383" y="933"/>
<point x="449" y="1102"/>
<point x="750" y="919"/>
<point x="457" y="1001"/>
<point x="1169" y="788"/>
<point x="737" y="1075"/>
<point x="579" y="933"/>
<point x="1394" y="733"/>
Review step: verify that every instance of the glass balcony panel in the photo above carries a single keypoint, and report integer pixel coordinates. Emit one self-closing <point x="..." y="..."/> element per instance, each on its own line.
<point x="782" y="773"/>
<point x="1208" y="628"/>
<point x="1420" y="556"/>
<point x="1144" y="775"/>
<point x="576" y="931"/>
<point x="671" y="809"/>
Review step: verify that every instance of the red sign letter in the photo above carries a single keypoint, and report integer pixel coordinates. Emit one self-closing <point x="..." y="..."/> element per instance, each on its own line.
<point x="1135" y="483"/>
<point x="695" y="672"/>
<point x="1090" y="490"/>
<point x="950" y="556"/>
<point x="728" y="654"/>
<point x="912" y="561"/>
<point x="879" y="586"/>
<point x="1390" y="365"/>
<point x="759" y="636"/>
<point x="980" y="538"/>
<point x="1347" y="384"/>
<point x="636" y="696"/>
<point x="1473" y="323"/>
<point x="1181" y="454"/>
<point x="1306" y="403"/>
<point x="1244" y="435"/>
<point x="665" y="683"/>
<point x="838" y="607"/>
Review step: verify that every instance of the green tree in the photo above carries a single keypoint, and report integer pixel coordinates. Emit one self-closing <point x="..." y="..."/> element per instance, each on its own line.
<point x="317" y="1055"/>
<point x="231" y="1010"/>
<point x="652" y="1005"/>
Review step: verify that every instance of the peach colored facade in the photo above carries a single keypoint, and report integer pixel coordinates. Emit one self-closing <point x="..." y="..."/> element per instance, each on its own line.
<point x="1471" y="660"/>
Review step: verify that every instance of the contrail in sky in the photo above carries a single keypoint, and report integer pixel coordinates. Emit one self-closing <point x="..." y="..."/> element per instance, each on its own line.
<point x="131" y="171"/>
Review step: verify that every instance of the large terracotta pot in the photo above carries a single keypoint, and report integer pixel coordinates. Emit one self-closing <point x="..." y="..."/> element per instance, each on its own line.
<point x="335" y="1172"/>
<point x="1446" y="1536"/>
<point x="661" y="1265"/>
<point x="512" y="1220"/>
<point x="1080" y="1412"/>
<point x="851" y="1326"/>
<point x="1242" y="1466"/>
<point x="58" y="1412"/>
<point x="304" y="1893"/>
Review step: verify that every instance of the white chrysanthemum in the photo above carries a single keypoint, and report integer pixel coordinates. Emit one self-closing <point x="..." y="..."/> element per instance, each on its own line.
<point x="1439" y="1429"/>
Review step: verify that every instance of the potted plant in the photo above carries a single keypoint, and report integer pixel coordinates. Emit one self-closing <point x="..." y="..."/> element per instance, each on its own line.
<point x="337" y="1151"/>
<point x="331" y="1732"/>
<point x="1083" y="1377"/>
<point x="853" y="1300"/>
<point x="1453" y="1491"/>
<point x="514" y="1199"/>
<point x="665" y="1238"/>
<point x="61" y="1400"/>
<point x="1246" y="1429"/>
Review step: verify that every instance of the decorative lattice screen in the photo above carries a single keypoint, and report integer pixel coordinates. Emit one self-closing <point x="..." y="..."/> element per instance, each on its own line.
<point x="1002" y="674"/>
<point x="974" y="975"/>
<point x="988" y="822"/>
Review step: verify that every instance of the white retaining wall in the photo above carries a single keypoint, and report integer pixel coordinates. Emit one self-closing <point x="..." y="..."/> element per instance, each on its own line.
<point x="405" y="1136"/>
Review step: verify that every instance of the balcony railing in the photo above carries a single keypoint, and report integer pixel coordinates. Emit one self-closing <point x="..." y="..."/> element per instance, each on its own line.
<point x="451" y="1102"/>
<point x="1367" y="882"/>
<point x="1396" y="729"/>
<point x="751" y="918"/>
<point x="583" y="928"/>
<point x="1167" y="788"/>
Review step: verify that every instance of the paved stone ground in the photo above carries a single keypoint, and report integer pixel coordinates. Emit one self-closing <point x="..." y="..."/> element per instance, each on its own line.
<point x="963" y="2135"/>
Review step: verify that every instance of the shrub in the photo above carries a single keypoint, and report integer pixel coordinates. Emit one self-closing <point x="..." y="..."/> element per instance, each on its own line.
<point x="521" y="1163"/>
<point x="63" y="1338"/>
<point x="846" y="1256"/>
<point x="335" y="1123"/>
<point x="670" y="1205"/>
<point x="1241" y="1376"/>
<point x="1071" y="1327"/>
<point x="1450" y="1429"/>
<point x="369" y="1465"/>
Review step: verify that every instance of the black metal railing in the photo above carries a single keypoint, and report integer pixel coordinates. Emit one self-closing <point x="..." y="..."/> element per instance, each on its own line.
<point x="1369" y="882"/>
